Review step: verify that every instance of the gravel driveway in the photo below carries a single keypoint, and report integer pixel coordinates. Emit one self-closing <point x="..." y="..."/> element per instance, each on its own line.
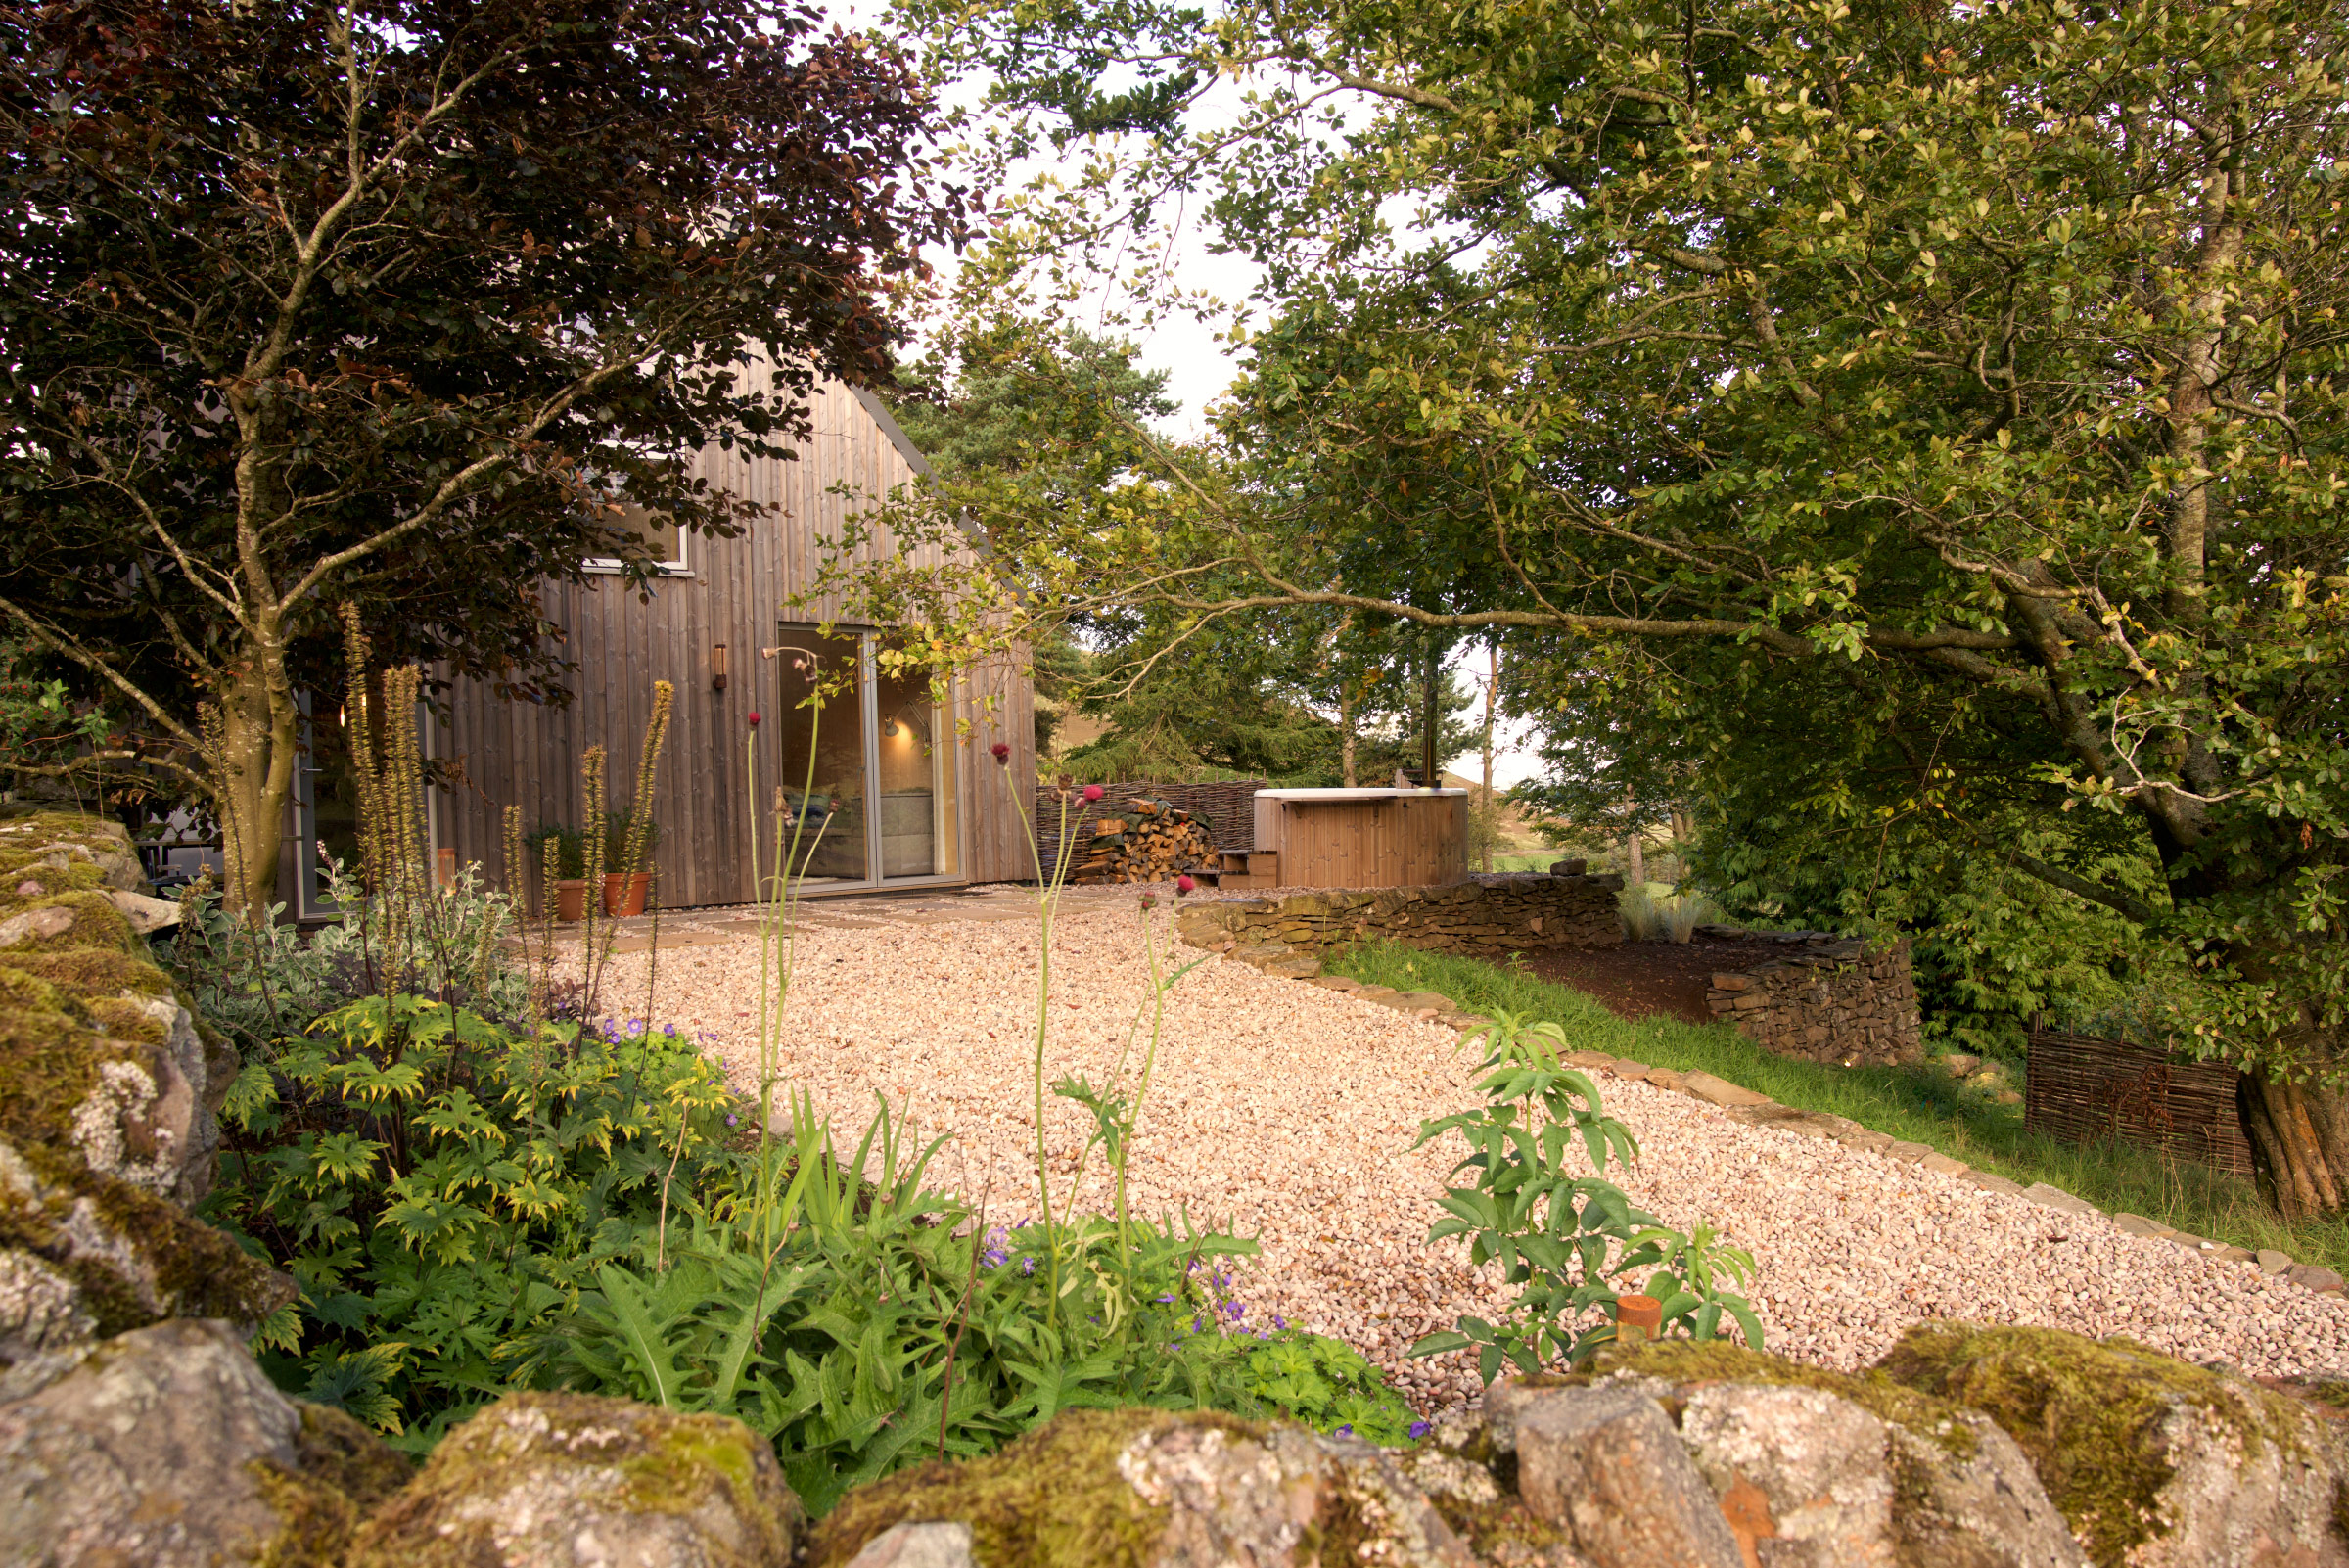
<point x="1287" y="1112"/>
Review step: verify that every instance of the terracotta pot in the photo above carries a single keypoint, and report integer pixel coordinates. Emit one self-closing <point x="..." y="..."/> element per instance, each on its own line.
<point x="571" y="898"/>
<point x="633" y="902"/>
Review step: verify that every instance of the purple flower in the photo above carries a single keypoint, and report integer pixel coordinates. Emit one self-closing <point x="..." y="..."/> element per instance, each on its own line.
<point x="730" y="1120"/>
<point x="1027" y="1265"/>
<point x="1419" y="1429"/>
<point x="1279" y="1321"/>
<point x="1344" y="1431"/>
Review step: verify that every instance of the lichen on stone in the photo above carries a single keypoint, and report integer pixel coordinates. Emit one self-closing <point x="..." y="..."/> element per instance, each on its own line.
<point x="1054" y="1499"/>
<point x="2087" y="1413"/>
<point x="1489" y="1515"/>
<point x="1684" y="1362"/>
<point x="541" y="1471"/>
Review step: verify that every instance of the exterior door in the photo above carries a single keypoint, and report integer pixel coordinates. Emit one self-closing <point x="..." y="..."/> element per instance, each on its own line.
<point x="870" y="785"/>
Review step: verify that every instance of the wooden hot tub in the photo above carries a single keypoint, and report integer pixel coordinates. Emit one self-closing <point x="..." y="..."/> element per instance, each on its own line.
<point x="1365" y="837"/>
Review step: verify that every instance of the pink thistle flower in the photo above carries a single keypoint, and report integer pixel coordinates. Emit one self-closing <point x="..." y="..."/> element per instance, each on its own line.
<point x="1002" y="751"/>
<point x="754" y="718"/>
<point x="1094" y="792"/>
<point x="1183" y="884"/>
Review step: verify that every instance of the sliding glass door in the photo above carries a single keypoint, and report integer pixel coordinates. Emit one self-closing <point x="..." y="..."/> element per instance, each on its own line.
<point x="869" y="782"/>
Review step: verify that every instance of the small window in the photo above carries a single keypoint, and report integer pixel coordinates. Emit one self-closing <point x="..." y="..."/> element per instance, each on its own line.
<point x="663" y="537"/>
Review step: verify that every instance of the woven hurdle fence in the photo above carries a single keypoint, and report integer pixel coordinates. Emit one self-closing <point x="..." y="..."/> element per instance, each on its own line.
<point x="2084" y="1089"/>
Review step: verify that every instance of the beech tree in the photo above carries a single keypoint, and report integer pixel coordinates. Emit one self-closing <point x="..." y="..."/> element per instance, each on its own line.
<point x="1966" y="378"/>
<point x="406" y="305"/>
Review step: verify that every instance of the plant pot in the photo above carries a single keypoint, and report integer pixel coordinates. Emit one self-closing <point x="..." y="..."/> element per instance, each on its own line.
<point x="624" y="895"/>
<point x="571" y="899"/>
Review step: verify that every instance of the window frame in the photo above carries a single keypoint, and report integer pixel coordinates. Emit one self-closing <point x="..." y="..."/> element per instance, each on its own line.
<point x="608" y="565"/>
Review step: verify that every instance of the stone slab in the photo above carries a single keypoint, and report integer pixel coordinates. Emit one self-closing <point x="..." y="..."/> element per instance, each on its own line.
<point x="2047" y="1197"/>
<point x="1721" y="1092"/>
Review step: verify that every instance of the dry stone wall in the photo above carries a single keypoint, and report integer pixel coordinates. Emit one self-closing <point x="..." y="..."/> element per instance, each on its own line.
<point x="109" y="1086"/>
<point x="1824" y="998"/>
<point x="1486" y="914"/>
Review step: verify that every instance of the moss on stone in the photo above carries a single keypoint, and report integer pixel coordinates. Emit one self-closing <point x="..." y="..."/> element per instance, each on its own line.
<point x="97" y="926"/>
<point x="85" y="972"/>
<point x="341" y="1472"/>
<point x="1475" y="1490"/>
<point x="1051" y="1499"/>
<point x="672" y="1473"/>
<point x="49" y="1059"/>
<point x="555" y="1449"/>
<point x="343" y="1453"/>
<point x="188" y="1269"/>
<point x="2086" y="1413"/>
<point x="199" y="1271"/>
<point x="44" y="881"/>
<point x="315" y="1520"/>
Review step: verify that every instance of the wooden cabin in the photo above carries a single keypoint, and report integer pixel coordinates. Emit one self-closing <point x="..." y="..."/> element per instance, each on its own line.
<point x="889" y="789"/>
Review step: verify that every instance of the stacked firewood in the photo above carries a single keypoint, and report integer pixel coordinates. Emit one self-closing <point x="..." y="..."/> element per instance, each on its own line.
<point x="1149" y="841"/>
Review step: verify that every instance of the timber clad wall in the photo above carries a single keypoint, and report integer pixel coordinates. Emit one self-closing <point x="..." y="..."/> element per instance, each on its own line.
<point x="735" y="592"/>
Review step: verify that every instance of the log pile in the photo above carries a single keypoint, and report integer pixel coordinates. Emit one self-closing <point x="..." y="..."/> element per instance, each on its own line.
<point x="1149" y="841"/>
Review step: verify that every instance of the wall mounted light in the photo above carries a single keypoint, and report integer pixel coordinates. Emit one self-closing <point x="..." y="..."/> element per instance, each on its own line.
<point x="718" y="666"/>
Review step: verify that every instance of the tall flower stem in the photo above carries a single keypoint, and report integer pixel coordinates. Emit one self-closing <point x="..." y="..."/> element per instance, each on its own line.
<point x="1049" y="886"/>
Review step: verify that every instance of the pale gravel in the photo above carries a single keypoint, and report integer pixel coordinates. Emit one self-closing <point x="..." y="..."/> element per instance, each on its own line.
<point x="1286" y="1112"/>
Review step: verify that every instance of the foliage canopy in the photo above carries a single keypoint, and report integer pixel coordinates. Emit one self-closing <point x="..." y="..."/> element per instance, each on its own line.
<point x="1961" y="385"/>
<point x="409" y="308"/>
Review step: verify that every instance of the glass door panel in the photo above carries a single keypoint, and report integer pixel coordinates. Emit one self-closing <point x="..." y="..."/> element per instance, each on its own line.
<point x="914" y="775"/>
<point x="821" y="714"/>
<point x="327" y="791"/>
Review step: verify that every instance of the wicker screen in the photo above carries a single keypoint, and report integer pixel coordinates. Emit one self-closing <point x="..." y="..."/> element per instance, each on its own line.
<point x="2088" y="1090"/>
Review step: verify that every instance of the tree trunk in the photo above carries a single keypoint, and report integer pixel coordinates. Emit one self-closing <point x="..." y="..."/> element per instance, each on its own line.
<point x="1635" y="859"/>
<point x="2299" y="1137"/>
<point x="256" y="739"/>
<point x="1346" y="735"/>
<point x="1493" y="818"/>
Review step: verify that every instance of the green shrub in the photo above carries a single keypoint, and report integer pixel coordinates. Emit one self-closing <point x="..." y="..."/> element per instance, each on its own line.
<point x="441" y="1189"/>
<point x="1563" y="1239"/>
<point x="1326" y="1384"/>
<point x="866" y="1322"/>
<point x="568" y="846"/>
<point x="1653" y="912"/>
<point x="262" y="984"/>
<point x="618" y="831"/>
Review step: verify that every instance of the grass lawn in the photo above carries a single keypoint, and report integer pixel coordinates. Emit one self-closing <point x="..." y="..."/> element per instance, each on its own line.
<point x="1914" y="1103"/>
